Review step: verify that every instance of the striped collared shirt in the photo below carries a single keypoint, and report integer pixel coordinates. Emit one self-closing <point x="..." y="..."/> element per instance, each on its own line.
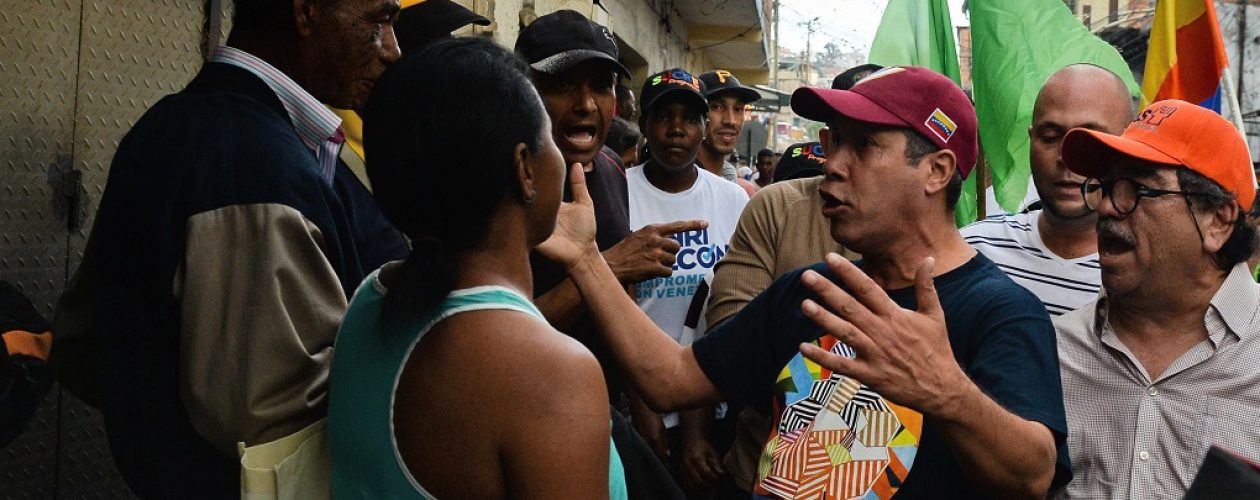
<point x="316" y="126"/>
<point x="1133" y="437"/>
<point x="1013" y="242"/>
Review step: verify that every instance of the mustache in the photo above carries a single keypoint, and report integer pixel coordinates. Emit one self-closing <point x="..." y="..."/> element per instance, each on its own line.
<point x="1110" y="229"/>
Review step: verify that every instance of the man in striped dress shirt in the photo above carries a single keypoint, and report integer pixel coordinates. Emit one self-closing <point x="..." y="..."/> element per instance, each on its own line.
<point x="219" y="265"/>
<point x="1053" y="251"/>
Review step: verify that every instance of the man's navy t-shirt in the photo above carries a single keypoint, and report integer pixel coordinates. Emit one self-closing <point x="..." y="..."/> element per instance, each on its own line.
<point x="832" y="426"/>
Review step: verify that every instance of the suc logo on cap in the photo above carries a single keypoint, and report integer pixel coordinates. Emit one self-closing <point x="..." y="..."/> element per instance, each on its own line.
<point x="678" y="77"/>
<point x="815" y="153"/>
<point x="1152" y="118"/>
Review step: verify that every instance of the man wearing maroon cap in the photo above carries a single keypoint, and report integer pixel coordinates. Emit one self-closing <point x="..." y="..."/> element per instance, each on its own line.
<point x="1163" y="364"/>
<point x="937" y="378"/>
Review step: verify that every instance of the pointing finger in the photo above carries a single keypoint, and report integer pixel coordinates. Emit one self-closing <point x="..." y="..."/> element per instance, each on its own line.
<point x="679" y="226"/>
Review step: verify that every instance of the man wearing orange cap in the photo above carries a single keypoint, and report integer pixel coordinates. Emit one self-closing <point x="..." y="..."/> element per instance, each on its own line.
<point x="1162" y="365"/>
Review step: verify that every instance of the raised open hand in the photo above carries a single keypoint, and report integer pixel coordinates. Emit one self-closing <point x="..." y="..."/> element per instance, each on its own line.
<point x="904" y="355"/>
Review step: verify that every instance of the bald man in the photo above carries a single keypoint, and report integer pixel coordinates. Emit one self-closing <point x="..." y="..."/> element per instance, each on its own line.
<point x="1053" y="251"/>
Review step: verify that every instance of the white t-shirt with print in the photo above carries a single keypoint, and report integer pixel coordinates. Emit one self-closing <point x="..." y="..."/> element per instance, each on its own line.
<point x="710" y="198"/>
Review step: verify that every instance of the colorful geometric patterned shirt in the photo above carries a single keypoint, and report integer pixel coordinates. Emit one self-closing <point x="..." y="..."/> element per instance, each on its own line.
<point x="837" y="439"/>
<point x="835" y="436"/>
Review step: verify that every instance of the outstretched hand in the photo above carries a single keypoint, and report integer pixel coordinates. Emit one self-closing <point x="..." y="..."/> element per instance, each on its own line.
<point x="574" y="236"/>
<point x="904" y="355"/>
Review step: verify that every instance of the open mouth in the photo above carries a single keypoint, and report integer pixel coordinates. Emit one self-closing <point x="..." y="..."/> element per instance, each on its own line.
<point x="1114" y="237"/>
<point x="581" y="136"/>
<point x="1112" y="240"/>
<point x="1113" y="245"/>
<point x="832" y="206"/>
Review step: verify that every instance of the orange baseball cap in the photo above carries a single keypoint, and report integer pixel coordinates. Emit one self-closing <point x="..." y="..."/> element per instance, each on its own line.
<point x="1172" y="133"/>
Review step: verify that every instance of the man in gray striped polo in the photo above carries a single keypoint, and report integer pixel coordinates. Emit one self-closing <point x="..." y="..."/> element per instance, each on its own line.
<point x="1053" y="250"/>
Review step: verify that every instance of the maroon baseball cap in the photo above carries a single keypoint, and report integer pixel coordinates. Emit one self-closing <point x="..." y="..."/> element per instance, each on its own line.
<point x="902" y="96"/>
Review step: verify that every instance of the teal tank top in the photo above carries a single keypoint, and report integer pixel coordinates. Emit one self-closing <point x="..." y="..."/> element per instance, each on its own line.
<point x="367" y="361"/>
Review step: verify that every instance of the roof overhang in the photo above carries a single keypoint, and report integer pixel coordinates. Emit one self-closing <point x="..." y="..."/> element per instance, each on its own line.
<point x="730" y="34"/>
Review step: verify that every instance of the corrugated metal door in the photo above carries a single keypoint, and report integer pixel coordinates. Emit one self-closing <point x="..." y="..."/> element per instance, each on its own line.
<point x="39" y="45"/>
<point x="74" y="77"/>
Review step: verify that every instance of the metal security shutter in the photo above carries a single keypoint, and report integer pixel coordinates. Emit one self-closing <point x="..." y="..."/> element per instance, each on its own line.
<point x="39" y="44"/>
<point x="74" y="76"/>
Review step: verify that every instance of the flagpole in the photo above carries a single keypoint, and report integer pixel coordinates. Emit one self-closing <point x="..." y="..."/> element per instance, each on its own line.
<point x="1231" y="100"/>
<point x="982" y="199"/>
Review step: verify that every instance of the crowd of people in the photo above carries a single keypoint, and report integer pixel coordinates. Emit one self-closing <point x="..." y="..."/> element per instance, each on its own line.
<point x="497" y="272"/>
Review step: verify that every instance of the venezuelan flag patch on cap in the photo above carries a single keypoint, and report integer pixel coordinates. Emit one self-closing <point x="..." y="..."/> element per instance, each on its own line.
<point x="940" y="124"/>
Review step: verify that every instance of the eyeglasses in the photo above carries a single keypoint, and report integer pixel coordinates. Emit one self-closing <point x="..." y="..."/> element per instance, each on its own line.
<point x="1124" y="194"/>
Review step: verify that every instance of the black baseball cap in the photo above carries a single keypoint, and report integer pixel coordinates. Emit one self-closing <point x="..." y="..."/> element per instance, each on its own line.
<point x="850" y="77"/>
<point x="560" y="40"/>
<point x="422" y="22"/>
<point x="721" y="81"/>
<point x="799" y="161"/>
<point x="674" y="82"/>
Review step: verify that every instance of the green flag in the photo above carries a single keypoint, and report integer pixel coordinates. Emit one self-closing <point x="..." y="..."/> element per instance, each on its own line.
<point x="916" y="33"/>
<point x="1015" y="47"/>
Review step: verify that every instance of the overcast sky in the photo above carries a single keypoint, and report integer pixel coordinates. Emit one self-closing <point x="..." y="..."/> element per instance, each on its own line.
<point x="851" y="24"/>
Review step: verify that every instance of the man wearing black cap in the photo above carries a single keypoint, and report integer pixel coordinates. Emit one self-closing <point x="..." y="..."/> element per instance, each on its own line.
<point x="574" y="65"/>
<point x="703" y="442"/>
<point x="930" y="374"/>
<point x="850" y="77"/>
<point x="423" y="22"/>
<point x="727" y="100"/>
<point x="670" y="185"/>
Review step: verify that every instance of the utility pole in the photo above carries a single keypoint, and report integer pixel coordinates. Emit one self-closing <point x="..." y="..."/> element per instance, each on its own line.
<point x="810" y="26"/>
<point x="774" y="70"/>
<point x="1242" y="48"/>
<point x="774" y="77"/>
